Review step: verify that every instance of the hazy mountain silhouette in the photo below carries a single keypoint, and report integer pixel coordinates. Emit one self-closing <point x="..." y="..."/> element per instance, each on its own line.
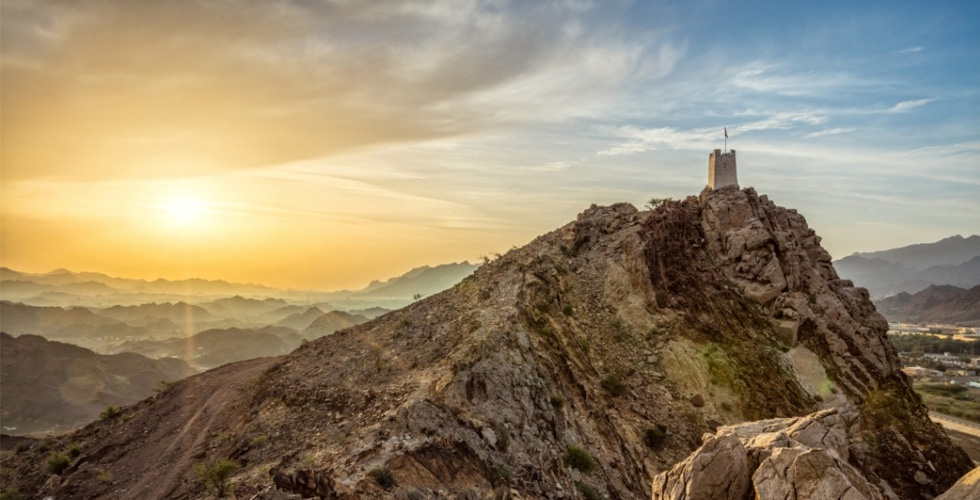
<point x="178" y="313"/>
<point x="219" y="346"/>
<point x="953" y="250"/>
<point x="61" y="323"/>
<point x="301" y="320"/>
<point x="423" y="281"/>
<point x="937" y="303"/>
<point x="951" y="261"/>
<point x="332" y="322"/>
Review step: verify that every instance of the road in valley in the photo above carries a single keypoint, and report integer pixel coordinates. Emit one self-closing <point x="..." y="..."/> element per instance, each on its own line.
<point x="956" y="424"/>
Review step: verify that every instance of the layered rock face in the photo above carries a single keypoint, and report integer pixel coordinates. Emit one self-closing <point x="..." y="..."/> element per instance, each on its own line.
<point x="787" y="458"/>
<point x="582" y="364"/>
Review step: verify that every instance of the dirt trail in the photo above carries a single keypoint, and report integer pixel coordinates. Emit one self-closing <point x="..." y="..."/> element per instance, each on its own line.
<point x="184" y="423"/>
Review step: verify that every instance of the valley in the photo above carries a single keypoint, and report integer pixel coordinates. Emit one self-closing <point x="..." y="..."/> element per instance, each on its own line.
<point x="65" y="364"/>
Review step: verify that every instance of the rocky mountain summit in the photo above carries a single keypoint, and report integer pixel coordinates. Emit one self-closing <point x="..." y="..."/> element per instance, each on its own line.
<point x="582" y="365"/>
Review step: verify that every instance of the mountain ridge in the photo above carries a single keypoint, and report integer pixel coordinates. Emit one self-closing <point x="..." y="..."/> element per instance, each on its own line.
<point x="950" y="261"/>
<point x="590" y="359"/>
<point x="937" y="303"/>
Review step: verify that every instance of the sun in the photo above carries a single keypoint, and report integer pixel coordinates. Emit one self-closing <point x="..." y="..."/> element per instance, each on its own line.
<point x="185" y="211"/>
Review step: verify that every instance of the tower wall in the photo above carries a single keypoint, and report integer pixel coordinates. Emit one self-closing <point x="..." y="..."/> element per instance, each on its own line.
<point x="721" y="169"/>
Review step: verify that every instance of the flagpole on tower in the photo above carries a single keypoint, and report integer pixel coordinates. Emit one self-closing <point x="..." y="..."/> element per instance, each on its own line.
<point x="726" y="139"/>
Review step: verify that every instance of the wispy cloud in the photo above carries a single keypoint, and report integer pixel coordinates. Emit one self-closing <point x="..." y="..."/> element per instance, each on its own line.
<point x="908" y="105"/>
<point x="910" y="50"/>
<point x="788" y="81"/>
<point x="322" y="78"/>
<point x="830" y="131"/>
<point x="639" y="140"/>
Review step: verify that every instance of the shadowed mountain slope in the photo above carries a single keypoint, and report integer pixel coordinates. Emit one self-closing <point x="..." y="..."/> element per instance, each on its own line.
<point x="48" y="385"/>
<point x="943" y="303"/>
<point x="591" y="359"/>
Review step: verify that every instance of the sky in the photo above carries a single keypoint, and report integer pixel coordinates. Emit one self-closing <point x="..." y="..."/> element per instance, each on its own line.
<point x="326" y="143"/>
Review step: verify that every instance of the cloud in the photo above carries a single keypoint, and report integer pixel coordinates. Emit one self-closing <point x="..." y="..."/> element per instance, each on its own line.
<point x="830" y="131"/>
<point x="908" y="105"/>
<point x="640" y="140"/>
<point x="774" y="78"/>
<point x="93" y="89"/>
<point x="910" y="50"/>
<point x="556" y="166"/>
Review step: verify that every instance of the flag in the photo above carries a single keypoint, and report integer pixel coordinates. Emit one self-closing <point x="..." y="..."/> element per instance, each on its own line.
<point x="726" y="132"/>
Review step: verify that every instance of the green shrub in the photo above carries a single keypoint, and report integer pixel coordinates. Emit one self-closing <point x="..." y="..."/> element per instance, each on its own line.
<point x="503" y="473"/>
<point x="214" y="475"/>
<point x="579" y="459"/>
<point x="74" y="450"/>
<point x="45" y="444"/>
<point x="620" y="331"/>
<point x="258" y="441"/>
<point x="58" y="462"/>
<point x="105" y="477"/>
<point x="11" y="494"/>
<point x="720" y="366"/>
<point x="588" y="491"/>
<point x="614" y="385"/>
<point x="110" y="412"/>
<point x="384" y="477"/>
<point x="567" y="309"/>
<point x="656" y="203"/>
<point x="557" y="401"/>
<point x="948" y="390"/>
<point x="654" y="437"/>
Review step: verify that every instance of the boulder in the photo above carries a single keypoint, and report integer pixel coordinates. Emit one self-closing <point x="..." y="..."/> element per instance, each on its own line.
<point x="967" y="488"/>
<point x="787" y="458"/>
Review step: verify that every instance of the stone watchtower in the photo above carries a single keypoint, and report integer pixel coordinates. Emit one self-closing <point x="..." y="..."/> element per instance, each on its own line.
<point x="721" y="170"/>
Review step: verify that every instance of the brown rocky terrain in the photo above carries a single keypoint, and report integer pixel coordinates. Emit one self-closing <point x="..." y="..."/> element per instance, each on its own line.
<point x="583" y="364"/>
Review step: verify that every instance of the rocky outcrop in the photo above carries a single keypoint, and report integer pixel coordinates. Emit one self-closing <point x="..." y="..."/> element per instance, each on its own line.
<point x="778" y="262"/>
<point x="779" y="459"/>
<point x="585" y="362"/>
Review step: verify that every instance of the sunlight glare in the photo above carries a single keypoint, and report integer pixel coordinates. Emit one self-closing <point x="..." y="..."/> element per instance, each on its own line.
<point x="185" y="211"/>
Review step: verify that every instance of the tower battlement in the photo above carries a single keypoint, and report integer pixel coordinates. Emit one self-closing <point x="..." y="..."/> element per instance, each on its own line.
<point x="721" y="169"/>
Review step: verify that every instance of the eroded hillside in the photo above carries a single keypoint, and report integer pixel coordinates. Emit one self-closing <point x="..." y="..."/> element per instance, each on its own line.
<point x="587" y="361"/>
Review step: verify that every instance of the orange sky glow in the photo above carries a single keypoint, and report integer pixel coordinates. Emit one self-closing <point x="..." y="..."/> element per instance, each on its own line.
<point x="325" y="144"/>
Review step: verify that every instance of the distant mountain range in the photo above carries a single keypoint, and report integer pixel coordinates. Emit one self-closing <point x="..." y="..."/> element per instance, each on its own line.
<point x="68" y="288"/>
<point x="49" y="385"/>
<point x="937" y="303"/>
<point x="212" y="348"/>
<point x="216" y="347"/>
<point x="951" y="261"/>
<point x="422" y="281"/>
